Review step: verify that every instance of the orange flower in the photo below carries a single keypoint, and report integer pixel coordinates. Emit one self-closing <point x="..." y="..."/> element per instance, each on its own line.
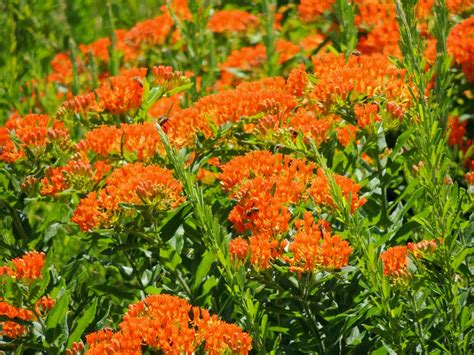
<point x="135" y="141"/>
<point x="239" y="248"/>
<point x="220" y="337"/>
<point x="262" y="163"/>
<point x="251" y="59"/>
<point x="77" y="174"/>
<point x="61" y="66"/>
<point x="311" y="124"/>
<point x="297" y="81"/>
<point x="346" y="134"/>
<point x="45" y="303"/>
<point x="266" y="185"/>
<point x="366" y="114"/>
<point x="247" y="100"/>
<point x="12" y="330"/>
<point x="310" y="10"/>
<point x="422" y="248"/>
<point x="469" y="177"/>
<point x="395" y="262"/>
<point x="457" y="131"/>
<point x="370" y="75"/>
<point x="263" y="250"/>
<point x="133" y="184"/>
<point x="232" y="21"/>
<point x="33" y="131"/>
<point x="13" y="312"/>
<point x="148" y="33"/>
<point x="163" y="322"/>
<point x="320" y="190"/>
<point x="313" y="247"/>
<point x="461" y="46"/>
<point x="80" y="104"/>
<point x="27" y="267"/>
<point x="122" y="93"/>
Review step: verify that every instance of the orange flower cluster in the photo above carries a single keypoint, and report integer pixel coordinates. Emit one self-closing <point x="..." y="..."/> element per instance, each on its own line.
<point x="378" y="18"/>
<point x="268" y="96"/>
<point x="33" y="133"/>
<point x="232" y="21"/>
<point x="131" y="141"/>
<point x="458" y="137"/>
<point x="321" y="193"/>
<point x="28" y="267"/>
<point x="395" y="259"/>
<point x="172" y="325"/>
<point x="251" y="59"/>
<point x="461" y="46"/>
<point x="132" y="184"/>
<point x="346" y="134"/>
<point x="310" y="10"/>
<point x="373" y="76"/>
<point x="367" y="114"/>
<point x="79" y="175"/>
<point x="11" y="328"/>
<point x="132" y="43"/>
<point x="457" y="131"/>
<point x="312" y="124"/>
<point x="313" y="247"/>
<point x="469" y="177"/>
<point x="264" y="186"/>
<point x="122" y="93"/>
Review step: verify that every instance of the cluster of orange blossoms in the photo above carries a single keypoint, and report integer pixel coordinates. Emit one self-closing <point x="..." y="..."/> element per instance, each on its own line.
<point x="311" y="10"/>
<point x="232" y="21"/>
<point x="265" y="186"/>
<point x="395" y="259"/>
<point x="172" y="325"/>
<point x="461" y="46"/>
<point x="131" y="184"/>
<point x="129" y="141"/>
<point x="124" y="93"/>
<point x="79" y="175"/>
<point x="250" y="59"/>
<point x="268" y="96"/>
<point x="314" y="247"/>
<point x="26" y="269"/>
<point x="133" y="44"/>
<point x="371" y="75"/>
<point x="458" y="138"/>
<point x="31" y="133"/>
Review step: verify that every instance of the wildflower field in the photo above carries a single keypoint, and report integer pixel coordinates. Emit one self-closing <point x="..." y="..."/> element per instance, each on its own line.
<point x="234" y="177"/>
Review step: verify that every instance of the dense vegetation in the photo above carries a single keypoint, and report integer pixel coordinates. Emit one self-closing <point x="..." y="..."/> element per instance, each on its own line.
<point x="236" y="176"/>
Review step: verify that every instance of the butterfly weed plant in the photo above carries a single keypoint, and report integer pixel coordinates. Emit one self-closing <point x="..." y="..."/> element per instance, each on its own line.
<point x="236" y="177"/>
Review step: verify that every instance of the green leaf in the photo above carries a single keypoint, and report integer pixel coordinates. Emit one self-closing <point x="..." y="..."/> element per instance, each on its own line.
<point x="82" y="323"/>
<point x="57" y="314"/>
<point x="461" y="257"/>
<point x="203" y="268"/>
